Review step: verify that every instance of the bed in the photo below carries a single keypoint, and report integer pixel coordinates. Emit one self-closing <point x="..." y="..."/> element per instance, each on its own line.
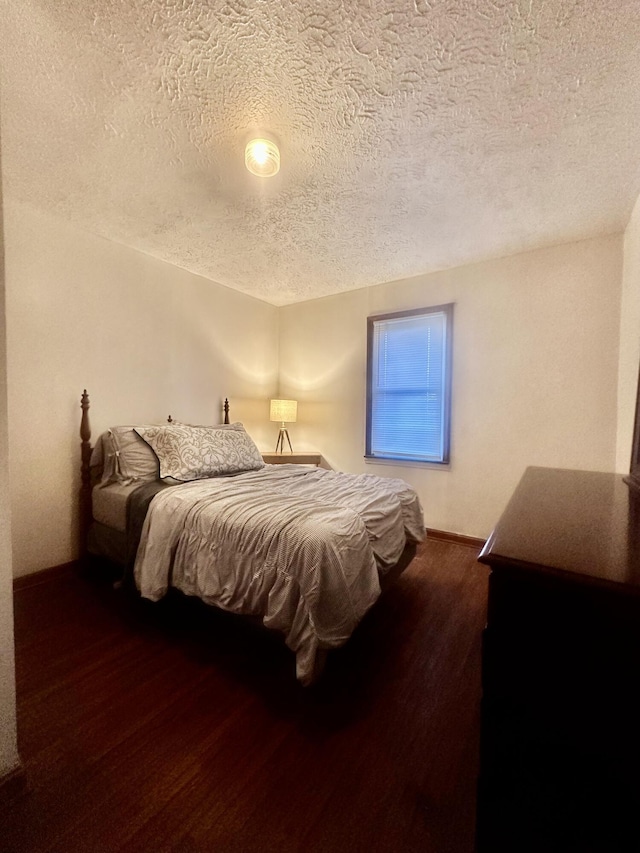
<point x="304" y="549"/>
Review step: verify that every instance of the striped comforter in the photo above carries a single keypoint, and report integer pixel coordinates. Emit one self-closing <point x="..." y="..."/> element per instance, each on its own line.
<point x="300" y="547"/>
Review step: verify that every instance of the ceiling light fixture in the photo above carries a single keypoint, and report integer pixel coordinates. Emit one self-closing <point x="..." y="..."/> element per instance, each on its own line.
<point x="262" y="158"/>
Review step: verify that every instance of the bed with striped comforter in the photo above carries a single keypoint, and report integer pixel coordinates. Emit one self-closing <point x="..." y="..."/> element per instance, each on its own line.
<point x="303" y="548"/>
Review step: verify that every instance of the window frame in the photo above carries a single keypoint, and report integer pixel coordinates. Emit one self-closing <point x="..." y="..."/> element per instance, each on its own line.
<point x="447" y="310"/>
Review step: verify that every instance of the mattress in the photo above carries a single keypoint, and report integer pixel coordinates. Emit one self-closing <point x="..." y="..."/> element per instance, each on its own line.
<point x="110" y="504"/>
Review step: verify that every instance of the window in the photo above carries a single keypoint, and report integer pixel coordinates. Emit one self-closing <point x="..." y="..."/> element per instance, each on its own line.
<point x="409" y="385"/>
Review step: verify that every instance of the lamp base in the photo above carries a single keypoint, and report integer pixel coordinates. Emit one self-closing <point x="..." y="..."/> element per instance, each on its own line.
<point x="284" y="432"/>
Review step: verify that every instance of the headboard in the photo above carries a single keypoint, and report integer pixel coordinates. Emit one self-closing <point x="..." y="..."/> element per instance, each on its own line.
<point x="85" y="465"/>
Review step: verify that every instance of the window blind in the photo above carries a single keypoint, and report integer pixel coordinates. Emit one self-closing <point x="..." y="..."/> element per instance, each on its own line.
<point x="407" y="418"/>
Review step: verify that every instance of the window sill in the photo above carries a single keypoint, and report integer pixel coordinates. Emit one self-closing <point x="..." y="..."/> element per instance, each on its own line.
<point x="407" y="463"/>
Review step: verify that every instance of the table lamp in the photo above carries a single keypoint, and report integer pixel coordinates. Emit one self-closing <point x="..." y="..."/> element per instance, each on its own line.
<point x="284" y="411"/>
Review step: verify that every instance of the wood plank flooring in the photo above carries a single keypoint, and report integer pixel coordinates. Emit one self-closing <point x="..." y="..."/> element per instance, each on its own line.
<point x="174" y="727"/>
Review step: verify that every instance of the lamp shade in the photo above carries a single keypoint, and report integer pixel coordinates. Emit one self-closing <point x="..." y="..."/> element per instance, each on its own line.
<point x="285" y="411"/>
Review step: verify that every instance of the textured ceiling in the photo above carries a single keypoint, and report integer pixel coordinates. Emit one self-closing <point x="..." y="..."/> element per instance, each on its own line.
<point x="414" y="134"/>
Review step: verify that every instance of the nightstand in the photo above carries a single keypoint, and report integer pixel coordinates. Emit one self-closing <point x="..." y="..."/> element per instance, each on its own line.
<point x="292" y="458"/>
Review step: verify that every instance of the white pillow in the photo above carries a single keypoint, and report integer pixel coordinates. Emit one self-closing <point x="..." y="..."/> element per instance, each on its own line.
<point x="193" y="453"/>
<point x="127" y="458"/>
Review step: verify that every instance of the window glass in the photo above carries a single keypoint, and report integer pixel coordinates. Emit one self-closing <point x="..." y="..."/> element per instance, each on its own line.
<point x="408" y="380"/>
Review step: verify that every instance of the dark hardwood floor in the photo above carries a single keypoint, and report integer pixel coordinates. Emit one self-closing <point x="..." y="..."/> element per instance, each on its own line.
<point x="173" y="727"/>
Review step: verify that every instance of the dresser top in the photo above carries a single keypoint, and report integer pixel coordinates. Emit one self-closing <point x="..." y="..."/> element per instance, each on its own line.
<point x="583" y="523"/>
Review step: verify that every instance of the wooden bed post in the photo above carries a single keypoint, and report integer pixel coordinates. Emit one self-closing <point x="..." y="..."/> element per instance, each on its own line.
<point x="85" y="470"/>
<point x="226" y="410"/>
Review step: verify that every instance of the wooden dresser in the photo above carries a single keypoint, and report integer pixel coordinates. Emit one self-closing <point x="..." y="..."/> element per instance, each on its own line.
<point x="560" y="730"/>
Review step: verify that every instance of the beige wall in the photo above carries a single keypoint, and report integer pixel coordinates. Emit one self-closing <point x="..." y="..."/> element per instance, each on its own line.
<point x="8" y="739"/>
<point x="535" y="368"/>
<point x="145" y="338"/>
<point x="629" y="340"/>
<point x="534" y="374"/>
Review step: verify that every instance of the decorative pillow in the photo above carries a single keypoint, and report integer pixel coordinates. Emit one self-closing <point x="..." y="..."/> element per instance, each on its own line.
<point x="193" y="453"/>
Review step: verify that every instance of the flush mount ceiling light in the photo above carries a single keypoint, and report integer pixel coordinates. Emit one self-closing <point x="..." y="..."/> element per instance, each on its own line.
<point x="262" y="157"/>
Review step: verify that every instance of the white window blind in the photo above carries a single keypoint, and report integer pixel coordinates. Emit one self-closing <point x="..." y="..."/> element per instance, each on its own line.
<point x="408" y="391"/>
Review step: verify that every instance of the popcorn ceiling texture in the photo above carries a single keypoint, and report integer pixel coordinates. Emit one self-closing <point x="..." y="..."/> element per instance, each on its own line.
<point x="414" y="134"/>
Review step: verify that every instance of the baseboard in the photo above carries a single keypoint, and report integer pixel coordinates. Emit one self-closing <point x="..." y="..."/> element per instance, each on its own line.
<point x="45" y="575"/>
<point x="456" y="538"/>
<point x="67" y="569"/>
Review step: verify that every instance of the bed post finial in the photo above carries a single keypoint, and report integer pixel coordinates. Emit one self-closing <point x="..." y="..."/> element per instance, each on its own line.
<point x="85" y="435"/>
<point x="85" y="471"/>
<point x="226" y="410"/>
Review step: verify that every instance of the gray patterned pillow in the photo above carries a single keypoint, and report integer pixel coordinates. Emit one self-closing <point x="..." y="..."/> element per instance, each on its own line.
<point x="193" y="453"/>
